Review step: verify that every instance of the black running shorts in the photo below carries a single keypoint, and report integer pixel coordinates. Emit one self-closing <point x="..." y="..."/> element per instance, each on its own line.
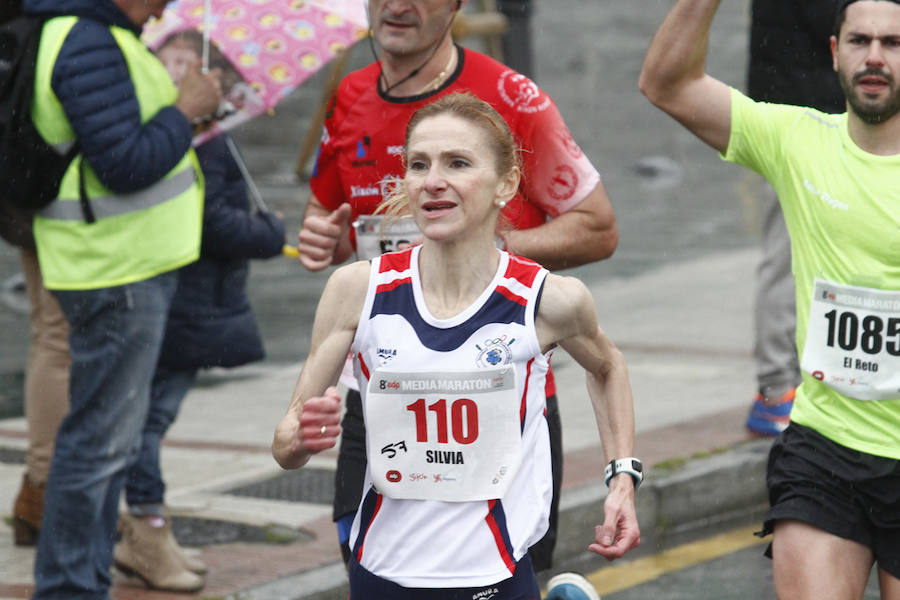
<point x="850" y="494"/>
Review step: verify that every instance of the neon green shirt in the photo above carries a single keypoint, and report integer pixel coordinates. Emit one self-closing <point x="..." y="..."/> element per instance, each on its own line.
<point x="842" y="209"/>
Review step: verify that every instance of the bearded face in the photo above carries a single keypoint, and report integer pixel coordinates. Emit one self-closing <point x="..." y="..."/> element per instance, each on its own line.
<point x="872" y="94"/>
<point x="867" y="59"/>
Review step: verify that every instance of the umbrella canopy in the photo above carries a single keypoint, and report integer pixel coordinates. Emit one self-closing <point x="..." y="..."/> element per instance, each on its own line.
<point x="265" y="48"/>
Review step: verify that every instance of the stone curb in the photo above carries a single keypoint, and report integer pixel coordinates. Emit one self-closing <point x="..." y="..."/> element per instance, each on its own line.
<point x="703" y="495"/>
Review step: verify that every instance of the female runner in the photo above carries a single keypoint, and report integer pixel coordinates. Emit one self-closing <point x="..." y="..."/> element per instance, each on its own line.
<point x="451" y="341"/>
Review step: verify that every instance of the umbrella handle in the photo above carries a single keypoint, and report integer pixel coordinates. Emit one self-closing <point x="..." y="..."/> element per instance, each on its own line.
<point x="207" y="22"/>
<point x="245" y="173"/>
<point x="286" y="250"/>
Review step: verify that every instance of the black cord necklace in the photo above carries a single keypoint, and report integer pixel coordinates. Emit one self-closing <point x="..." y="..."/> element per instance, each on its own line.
<point x="382" y="80"/>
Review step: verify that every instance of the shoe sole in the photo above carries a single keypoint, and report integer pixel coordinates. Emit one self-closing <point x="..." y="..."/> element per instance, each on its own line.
<point x="129" y="572"/>
<point x="576" y="581"/>
<point x="24" y="533"/>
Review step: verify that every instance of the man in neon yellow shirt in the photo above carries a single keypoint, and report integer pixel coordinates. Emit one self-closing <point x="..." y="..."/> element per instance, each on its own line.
<point x="834" y="475"/>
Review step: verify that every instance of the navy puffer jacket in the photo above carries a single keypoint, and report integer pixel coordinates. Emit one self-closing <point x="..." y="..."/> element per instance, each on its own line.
<point x="92" y="82"/>
<point x="211" y="323"/>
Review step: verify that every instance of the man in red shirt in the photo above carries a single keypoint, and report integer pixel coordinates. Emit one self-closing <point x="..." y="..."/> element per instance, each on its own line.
<point x="561" y="216"/>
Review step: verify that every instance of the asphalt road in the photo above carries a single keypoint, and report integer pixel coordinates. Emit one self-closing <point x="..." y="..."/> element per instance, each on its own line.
<point x="744" y="574"/>
<point x="718" y="565"/>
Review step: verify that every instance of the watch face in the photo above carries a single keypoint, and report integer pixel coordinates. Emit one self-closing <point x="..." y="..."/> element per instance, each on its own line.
<point x="632" y="466"/>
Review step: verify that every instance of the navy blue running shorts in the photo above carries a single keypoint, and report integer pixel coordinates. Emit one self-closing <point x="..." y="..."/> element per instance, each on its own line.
<point x="522" y="585"/>
<point x="847" y="493"/>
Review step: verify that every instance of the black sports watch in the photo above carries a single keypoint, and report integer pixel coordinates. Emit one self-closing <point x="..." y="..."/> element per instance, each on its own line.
<point x="629" y="465"/>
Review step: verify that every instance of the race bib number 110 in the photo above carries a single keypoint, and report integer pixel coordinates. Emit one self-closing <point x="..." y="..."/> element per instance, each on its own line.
<point x="451" y="436"/>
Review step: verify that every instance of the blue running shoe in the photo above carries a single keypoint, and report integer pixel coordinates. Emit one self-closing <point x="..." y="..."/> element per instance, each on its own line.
<point x="765" y="420"/>
<point x="570" y="586"/>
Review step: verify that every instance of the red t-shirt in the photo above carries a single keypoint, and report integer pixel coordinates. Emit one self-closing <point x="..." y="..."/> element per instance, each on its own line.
<point x="363" y="137"/>
<point x="362" y="143"/>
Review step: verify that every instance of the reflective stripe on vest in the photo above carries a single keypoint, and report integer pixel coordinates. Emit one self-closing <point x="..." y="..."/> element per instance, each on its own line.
<point x="69" y="209"/>
<point x="63" y="147"/>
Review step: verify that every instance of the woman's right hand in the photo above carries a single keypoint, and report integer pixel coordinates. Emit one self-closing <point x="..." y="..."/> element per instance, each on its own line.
<point x="312" y="427"/>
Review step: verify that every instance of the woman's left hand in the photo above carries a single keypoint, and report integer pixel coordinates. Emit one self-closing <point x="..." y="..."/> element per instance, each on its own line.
<point x="620" y="531"/>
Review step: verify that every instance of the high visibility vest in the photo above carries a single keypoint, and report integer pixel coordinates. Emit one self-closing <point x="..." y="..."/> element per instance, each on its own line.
<point x="135" y="236"/>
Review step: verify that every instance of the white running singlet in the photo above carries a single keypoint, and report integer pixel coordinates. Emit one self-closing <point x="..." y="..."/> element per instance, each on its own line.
<point x="459" y="483"/>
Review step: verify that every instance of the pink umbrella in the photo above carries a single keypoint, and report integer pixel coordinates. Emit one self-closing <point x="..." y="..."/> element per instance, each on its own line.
<point x="265" y="48"/>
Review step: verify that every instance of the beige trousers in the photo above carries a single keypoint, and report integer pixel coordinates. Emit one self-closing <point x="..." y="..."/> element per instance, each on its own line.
<point x="47" y="374"/>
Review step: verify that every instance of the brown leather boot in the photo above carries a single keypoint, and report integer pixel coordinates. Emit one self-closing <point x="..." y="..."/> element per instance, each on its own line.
<point x="27" y="511"/>
<point x="150" y="553"/>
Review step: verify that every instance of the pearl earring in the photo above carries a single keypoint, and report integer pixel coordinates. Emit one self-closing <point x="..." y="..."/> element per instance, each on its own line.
<point x="502" y="203"/>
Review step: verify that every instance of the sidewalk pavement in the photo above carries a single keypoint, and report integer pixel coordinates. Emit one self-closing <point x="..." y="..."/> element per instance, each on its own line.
<point x="685" y="330"/>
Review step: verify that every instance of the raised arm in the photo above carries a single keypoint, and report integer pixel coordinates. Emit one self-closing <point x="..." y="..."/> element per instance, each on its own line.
<point x="674" y="75"/>
<point x="315" y="402"/>
<point x="567" y="317"/>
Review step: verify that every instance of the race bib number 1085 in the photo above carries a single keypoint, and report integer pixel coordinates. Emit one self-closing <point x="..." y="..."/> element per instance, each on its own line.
<point x="853" y="340"/>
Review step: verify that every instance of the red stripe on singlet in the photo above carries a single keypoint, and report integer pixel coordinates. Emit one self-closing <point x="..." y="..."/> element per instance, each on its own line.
<point x="522" y="270"/>
<point x="395" y="261"/>
<point x="523" y="407"/>
<point x="509" y="295"/>
<point x="386" y="287"/>
<point x="362" y="366"/>
<point x="498" y="538"/>
<point x="369" y="526"/>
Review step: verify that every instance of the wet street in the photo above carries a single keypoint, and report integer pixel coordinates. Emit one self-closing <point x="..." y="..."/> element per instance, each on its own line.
<point x="726" y="565"/>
